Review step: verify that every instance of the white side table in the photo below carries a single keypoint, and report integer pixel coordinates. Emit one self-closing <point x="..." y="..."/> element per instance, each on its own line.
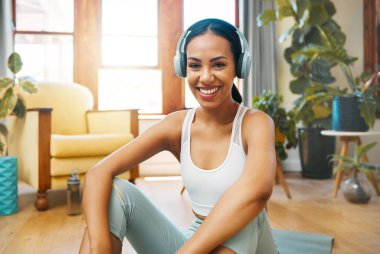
<point x="347" y="137"/>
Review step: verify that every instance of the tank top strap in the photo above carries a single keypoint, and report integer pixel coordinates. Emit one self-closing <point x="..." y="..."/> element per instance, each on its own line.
<point x="186" y="125"/>
<point x="239" y="119"/>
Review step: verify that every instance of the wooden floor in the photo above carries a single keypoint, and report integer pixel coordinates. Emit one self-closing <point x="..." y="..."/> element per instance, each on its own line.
<point x="356" y="228"/>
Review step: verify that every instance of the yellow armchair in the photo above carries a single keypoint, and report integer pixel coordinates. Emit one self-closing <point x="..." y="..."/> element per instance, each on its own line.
<point x="61" y="133"/>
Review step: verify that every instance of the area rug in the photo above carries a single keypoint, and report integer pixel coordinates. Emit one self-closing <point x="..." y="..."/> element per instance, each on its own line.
<point x="291" y="242"/>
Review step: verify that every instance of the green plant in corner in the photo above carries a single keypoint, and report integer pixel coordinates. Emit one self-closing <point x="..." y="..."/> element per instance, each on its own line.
<point x="283" y="120"/>
<point x="11" y="100"/>
<point x="317" y="45"/>
<point x="355" y="163"/>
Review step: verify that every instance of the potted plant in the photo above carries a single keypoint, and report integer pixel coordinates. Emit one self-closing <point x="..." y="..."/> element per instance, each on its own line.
<point x="11" y="102"/>
<point x="284" y="121"/>
<point x="317" y="41"/>
<point x="355" y="110"/>
<point x="356" y="188"/>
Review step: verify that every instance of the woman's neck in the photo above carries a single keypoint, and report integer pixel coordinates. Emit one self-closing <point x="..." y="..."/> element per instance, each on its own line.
<point x="221" y="115"/>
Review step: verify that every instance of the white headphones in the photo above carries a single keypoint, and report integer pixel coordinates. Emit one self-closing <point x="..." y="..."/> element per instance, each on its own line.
<point x="243" y="64"/>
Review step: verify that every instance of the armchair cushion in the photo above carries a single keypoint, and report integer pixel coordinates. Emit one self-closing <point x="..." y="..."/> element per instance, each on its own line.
<point x="87" y="144"/>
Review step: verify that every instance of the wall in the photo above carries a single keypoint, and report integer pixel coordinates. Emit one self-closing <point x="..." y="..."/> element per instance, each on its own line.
<point x="349" y="16"/>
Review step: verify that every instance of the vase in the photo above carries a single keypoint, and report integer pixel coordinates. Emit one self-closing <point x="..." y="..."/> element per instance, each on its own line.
<point x="356" y="189"/>
<point x="346" y="114"/>
<point x="8" y="185"/>
<point x="314" y="149"/>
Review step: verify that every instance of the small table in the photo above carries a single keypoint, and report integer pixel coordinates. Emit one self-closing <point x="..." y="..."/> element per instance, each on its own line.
<point x="346" y="137"/>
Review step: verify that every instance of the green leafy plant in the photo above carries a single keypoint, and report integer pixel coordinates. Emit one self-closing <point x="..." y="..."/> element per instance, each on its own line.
<point x="283" y="120"/>
<point x="355" y="163"/>
<point x="317" y="45"/>
<point x="11" y="100"/>
<point x="365" y="87"/>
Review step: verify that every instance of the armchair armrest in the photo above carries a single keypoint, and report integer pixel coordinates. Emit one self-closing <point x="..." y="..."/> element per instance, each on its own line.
<point x="29" y="141"/>
<point x="113" y="121"/>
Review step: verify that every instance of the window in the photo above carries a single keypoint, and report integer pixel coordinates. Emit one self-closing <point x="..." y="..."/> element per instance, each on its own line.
<point x="44" y="38"/>
<point x="129" y="75"/>
<point x="192" y="13"/>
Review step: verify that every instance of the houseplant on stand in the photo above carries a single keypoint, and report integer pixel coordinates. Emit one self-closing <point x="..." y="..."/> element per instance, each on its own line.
<point x="11" y="102"/>
<point x="355" y="110"/>
<point x="316" y="43"/>
<point x="356" y="189"/>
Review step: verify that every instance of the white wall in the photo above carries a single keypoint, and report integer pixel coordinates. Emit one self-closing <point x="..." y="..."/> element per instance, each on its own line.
<point x="349" y="16"/>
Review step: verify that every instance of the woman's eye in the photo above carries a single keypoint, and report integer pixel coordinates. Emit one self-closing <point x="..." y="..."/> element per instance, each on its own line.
<point x="194" y="66"/>
<point x="219" y="65"/>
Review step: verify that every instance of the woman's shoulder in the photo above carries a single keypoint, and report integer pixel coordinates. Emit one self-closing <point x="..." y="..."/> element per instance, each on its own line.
<point x="176" y="117"/>
<point x="257" y="120"/>
<point x="172" y="122"/>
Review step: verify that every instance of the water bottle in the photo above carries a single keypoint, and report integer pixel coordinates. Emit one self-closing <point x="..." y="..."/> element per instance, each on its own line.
<point x="73" y="195"/>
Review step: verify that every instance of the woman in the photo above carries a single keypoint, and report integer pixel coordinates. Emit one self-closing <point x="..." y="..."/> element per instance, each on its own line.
<point x="227" y="160"/>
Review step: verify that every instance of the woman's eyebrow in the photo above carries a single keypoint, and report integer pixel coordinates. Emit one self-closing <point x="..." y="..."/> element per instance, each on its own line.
<point x="211" y="60"/>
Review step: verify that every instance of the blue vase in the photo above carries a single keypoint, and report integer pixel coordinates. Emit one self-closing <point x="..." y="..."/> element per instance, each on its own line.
<point x="346" y="114"/>
<point x="8" y="185"/>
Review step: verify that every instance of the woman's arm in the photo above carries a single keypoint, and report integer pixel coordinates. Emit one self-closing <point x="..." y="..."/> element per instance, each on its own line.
<point x="98" y="181"/>
<point x="245" y="199"/>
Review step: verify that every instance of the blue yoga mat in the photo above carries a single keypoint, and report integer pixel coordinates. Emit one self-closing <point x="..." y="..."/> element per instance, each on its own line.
<point x="290" y="242"/>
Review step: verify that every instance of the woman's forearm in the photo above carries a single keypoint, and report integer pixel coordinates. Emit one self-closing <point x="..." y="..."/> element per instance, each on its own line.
<point x="96" y="195"/>
<point x="231" y="214"/>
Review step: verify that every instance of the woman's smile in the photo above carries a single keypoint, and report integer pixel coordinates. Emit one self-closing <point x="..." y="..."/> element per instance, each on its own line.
<point x="208" y="92"/>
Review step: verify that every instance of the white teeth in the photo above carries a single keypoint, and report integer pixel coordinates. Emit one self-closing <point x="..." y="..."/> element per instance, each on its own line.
<point x="210" y="91"/>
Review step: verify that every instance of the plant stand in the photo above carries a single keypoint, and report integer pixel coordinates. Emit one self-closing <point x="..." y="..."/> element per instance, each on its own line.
<point x="346" y="138"/>
<point x="8" y="185"/>
<point x="281" y="179"/>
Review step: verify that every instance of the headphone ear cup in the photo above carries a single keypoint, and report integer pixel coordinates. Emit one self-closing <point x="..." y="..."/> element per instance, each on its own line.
<point x="183" y="60"/>
<point x="244" y="64"/>
<point x="239" y="65"/>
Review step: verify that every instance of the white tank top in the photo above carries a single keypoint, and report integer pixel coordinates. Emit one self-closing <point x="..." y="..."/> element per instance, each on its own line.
<point x="205" y="187"/>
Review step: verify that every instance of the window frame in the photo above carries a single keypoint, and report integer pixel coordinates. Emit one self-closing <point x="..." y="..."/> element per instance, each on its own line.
<point x="31" y="32"/>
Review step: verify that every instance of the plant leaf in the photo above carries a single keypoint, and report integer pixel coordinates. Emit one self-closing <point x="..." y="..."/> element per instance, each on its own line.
<point x="267" y="16"/>
<point x="14" y="62"/>
<point x="361" y="150"/>
<point x="20" y="109"/>
<point x="318" y="13"/>
<point x="27" y="86"/>
<point x="5" y="82"/>
<point x="7" y="103"/>
<point x="298" y="86"/>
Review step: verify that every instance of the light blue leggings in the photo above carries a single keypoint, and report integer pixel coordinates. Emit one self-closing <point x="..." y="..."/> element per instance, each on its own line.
<point x="132" y="215"/>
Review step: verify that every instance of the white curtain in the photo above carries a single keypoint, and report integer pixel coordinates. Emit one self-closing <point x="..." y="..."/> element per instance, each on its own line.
<point x="262" y="41"/>
<point x="6" y="35"/>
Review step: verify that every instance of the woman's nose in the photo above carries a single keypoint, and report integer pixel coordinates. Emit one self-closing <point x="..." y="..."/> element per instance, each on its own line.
<point x="206" y="75"/>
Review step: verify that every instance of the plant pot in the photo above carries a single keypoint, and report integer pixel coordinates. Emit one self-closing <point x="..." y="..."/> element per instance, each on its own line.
<point x="356" y="189"/>
<point x="314" y="149"/>
<point x="8" y="185"/>
<point x="346" y="114"/>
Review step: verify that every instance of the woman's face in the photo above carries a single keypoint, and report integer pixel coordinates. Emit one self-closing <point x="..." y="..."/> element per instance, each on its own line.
<point x="210" y="69"/>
